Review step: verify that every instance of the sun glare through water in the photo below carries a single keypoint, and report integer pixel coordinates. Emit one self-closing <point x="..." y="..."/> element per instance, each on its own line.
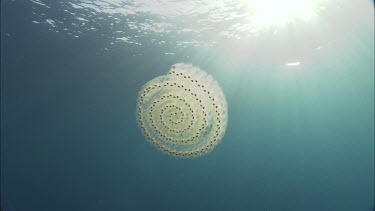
<point x="267" y="13"/>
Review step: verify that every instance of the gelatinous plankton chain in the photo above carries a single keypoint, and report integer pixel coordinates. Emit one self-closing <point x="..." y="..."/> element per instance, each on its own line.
<point x="183" y="113"/>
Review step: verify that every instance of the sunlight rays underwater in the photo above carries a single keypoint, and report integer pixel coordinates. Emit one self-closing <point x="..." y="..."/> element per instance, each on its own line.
<point x="276" y="35"/>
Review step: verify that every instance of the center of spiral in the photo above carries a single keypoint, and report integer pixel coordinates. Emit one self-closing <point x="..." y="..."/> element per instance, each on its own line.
<point x="175" y="117"/>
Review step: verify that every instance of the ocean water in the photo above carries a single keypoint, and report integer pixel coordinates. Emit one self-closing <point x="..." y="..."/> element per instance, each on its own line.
<point x="298" y="80"/>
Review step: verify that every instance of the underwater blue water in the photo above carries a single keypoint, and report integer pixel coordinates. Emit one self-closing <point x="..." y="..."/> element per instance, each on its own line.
<point x="300" y="134"/>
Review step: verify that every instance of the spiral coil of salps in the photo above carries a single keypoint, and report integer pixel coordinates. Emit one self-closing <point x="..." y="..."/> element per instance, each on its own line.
<point x="182" y="113"/>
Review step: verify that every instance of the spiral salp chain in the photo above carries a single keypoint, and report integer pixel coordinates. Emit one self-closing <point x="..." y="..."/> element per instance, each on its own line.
<point x="183" y="113"/>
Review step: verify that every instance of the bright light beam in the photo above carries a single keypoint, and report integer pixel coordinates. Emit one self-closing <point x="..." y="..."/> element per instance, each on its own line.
<point x="266" y="13"/>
